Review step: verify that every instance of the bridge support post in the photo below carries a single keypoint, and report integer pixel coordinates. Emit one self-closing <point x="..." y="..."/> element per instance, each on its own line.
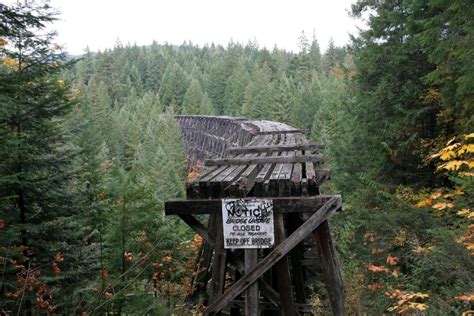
<point x="330" y="266"/>
<point x="251" y="295"/>
<point x="316" y="224"/>
<point x="265" y="161"/>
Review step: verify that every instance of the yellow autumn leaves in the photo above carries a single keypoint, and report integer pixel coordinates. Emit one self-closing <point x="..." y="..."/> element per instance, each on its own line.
<point x="406" y="302"/>
<point x="440" y="205"/>
<point x="409" y="302"/>
<point x="13" y="64"/>
<point x="456" y="155"/>
<point x="10" y="63"/>
<point x="443" y="202"/>
<point x="466" y="213"/>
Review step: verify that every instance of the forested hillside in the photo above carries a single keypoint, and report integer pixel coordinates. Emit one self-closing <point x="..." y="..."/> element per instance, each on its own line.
<point x="90" y="150"/>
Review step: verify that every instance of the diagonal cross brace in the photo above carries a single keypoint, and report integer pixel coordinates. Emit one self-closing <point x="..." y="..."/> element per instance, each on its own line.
<point x="276" y="255"/>
<point x="266" y="289"/>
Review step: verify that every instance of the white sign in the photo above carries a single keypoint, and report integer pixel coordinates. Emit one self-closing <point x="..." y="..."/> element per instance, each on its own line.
<point x="247" y="223"/>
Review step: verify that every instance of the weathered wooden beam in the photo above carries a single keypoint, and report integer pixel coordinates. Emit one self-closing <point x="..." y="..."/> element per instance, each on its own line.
<point x="282" y="268"/>
<point x="263" y="160"/>
<point x="296" y="256"/>
<point x="210" y="242"/>
<point x="251" y="295"/>
<point x="276" y="255"/>
<point x="203" y="273"/>
<point x="290" y="131"/>
<point x="330" y="267"/>
<point x="199" y="228"/>
<point x="303" y="309"/>
<point x="205" y="181"/>
<point x="280" y="186"/>
<point x="295" y="204"/>
<point x="228" y="183"/>
<point x="272" y="148"/>
<point x="284" y="183"/>
<point x="218" y="263"/>
<point x="262" y="178"/>
<point x="244" y="184"/>
<point x="269" y="292"/>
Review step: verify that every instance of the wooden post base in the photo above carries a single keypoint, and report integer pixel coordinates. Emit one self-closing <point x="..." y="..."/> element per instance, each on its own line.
<point x="248" y="273"/>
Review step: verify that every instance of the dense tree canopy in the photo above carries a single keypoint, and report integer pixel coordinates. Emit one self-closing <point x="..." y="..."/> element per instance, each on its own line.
<point x="90" y="150"/>
<point x="40" y="202"/>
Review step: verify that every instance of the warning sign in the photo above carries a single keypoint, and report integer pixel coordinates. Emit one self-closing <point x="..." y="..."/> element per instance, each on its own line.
<point x="248" y="223"/>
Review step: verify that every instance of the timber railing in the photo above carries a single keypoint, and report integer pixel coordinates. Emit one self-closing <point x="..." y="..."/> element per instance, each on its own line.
<point x="210" y="136"/>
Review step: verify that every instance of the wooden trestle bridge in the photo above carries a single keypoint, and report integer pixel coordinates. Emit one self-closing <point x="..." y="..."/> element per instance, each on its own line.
<point x="251" y="161"/>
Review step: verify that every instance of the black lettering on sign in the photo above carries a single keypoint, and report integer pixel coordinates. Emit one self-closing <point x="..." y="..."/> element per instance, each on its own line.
<point x="249" y="220"/>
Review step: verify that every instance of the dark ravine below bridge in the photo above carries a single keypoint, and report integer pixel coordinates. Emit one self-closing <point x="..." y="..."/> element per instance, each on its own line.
<point x="249" y="160"/>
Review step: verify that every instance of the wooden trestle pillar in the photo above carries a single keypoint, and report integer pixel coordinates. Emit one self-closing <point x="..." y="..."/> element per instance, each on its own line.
<point x="224" y="293"/>
<point x="269" y="161"/>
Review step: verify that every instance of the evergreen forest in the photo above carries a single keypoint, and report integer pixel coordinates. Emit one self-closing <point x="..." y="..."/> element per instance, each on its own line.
<point x="90" y="151"/>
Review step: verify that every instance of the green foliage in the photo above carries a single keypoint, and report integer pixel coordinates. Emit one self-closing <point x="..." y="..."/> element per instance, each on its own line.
<point x="90" y="154"/>
<point x="380" y="123"/>
<point x="173" y="86"/>
<point x="195" y="102"/>
<point x="235" y="90"/>
<point x="257" y="97"/>
<point x="132" y="160"/>
<point x="41" y="210"/>
<point x="333" y="58"/>
<point x="280" y="108"/>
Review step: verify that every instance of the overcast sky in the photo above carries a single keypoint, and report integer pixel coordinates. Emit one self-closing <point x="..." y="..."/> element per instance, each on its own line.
<point x="100" y="23"/>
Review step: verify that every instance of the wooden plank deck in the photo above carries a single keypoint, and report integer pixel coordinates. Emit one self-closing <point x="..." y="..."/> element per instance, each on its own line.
<point x="278" y="160"/>
<point x="250" y="159"/>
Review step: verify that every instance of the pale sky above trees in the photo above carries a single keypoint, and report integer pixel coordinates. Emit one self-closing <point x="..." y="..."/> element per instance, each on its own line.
<point x="100" y="24"/>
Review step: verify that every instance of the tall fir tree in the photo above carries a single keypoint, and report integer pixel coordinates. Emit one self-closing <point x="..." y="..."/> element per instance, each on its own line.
<point x="258" y="98"/>
<point x="282" y="102"/>
<point x="329" y="61"/>
<point x="235" y="89"/>
<point x="173" y="86"/>
<point x="315" y="55"/>
<point x="41" y="211"/>
<point x="217" y="85"/>
<point x="193" y="99"/>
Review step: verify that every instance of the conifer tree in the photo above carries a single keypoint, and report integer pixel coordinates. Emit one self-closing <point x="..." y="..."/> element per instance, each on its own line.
<point x="207" y="108"/>
<point x="193" y="99"/>
<point x="303" y="43"/>
<point x="217" y="85"/>
<point x="281" y="106"/>
<point x="315" y="55"/>
<point x="307" y="100"/>
<point x="257" y="98"/>
<point x="173" y="86"/>
<point x="41" y="225"/>
<point x="155" y="65"/>
<point x="235" y="90"/>
<point x="392" y="95"/>
<point x="329" y="61"/>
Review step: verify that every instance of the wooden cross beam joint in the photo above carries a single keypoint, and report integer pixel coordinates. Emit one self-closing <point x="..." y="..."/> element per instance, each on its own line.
<point x="289" y="131"/>
<point x="316" y="225"/>
<point x="280" y="251"/>
<point x="273" y="148"/>
<point x="235" y="261"/>
<point x="263" y="160"/>
<point x="324" y="244"/>
<point x="280" y="204"/>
